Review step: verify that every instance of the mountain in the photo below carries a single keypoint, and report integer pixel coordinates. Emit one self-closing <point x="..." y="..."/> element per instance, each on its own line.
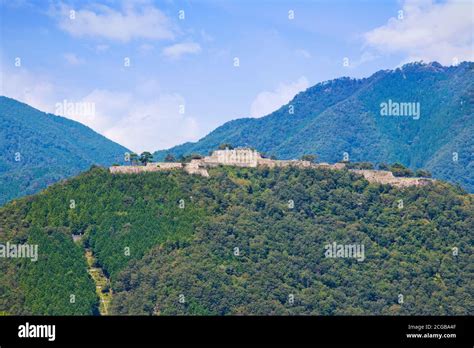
<point x="38" y="149"/>
<point x="242" y="241"/>
<point x="345" y="116"/>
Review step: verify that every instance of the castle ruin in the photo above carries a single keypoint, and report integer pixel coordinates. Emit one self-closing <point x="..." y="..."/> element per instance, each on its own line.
<point x="241" y="157"/>
<point x="386" y="177"/>
<point x="245" y="157"/>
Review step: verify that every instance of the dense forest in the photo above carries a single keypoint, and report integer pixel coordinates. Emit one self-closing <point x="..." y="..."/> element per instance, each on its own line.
<point x="38" y="149"/>
<point x="243" y="241"/>
<point x="440" y="140"/>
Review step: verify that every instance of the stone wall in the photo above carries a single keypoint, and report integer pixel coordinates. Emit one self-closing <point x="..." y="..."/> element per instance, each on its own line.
<point x="337" y="166"/>
<point x="283" y="163"/>
<point x="150" y="167"/>
<point x="167" y="165"/>
<point x="197" y="167"/>
<point x="251" y="158"/>
<point x="386" y="177"/>
<point x="132" y="169"/>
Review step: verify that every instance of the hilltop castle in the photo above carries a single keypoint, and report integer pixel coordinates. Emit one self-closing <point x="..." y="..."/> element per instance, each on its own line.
<point x="245" y="157"/>
<point x="241" y="157"/>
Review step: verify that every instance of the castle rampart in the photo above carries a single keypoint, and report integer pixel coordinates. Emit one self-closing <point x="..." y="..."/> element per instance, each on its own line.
<point x="243" y="157"/>
<point x="386" y="177"/>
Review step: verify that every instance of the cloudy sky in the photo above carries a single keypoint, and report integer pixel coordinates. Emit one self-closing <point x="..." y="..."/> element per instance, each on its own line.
<point x="160" y="73"/>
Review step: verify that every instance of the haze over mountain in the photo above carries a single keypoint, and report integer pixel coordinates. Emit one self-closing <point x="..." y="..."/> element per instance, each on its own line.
<point x="38" y="149"/>
<point x="344" y="116"/>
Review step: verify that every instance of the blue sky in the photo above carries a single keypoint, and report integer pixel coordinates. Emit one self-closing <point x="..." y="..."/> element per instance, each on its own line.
<point x="182" y="81"/>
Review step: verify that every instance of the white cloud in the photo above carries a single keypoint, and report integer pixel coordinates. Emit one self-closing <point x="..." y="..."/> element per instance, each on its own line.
<point x="267" y="102"/>
<point x="20" y="84"/>
<point x="139" y="118"/>
<point x="303" y="53"/>
<point x="145" y="48"/>
<point x="132" y="22"/>
<point x="153" y="125"/>
<point x="206" y="37"/>
<point x="109" y="108"/>
<point x="72" y="59"/>
<point x="365" y="57"/>
<point x="139" y="122"/>
<point x="177" y="50"/>
<point x="101" y="48"/>
<point x="428" y="31"/>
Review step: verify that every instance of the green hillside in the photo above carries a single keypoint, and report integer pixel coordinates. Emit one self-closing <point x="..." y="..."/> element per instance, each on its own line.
<point x="344" y="115"/>
<point x="243" y="241"/>
<point x="38" y="149"/>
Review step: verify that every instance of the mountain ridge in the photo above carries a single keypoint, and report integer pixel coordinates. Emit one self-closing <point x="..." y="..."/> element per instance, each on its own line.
<point x="343" y="115"/>
<point x="38" y="149"/>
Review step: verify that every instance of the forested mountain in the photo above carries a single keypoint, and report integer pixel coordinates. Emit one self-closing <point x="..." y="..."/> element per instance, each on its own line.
<point x="243" y="241"/>
<point x="344" y="115"/>
<point x="37" y="149"/>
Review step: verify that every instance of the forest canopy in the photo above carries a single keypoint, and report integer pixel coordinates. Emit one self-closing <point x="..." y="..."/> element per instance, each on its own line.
<point x="243" y="241"/>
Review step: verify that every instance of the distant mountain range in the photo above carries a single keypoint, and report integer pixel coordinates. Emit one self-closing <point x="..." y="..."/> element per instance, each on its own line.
<point x="343" y="117"/>
<point x="38" y="149"/>
<point x="421" y="115"/>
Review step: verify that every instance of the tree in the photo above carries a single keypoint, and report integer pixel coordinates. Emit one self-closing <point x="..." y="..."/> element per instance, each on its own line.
<point x="422" y="173"/>
<point x="146" y="157"/>
<point x="170" y="158"/>
<point x="171" y="247"/>
<point x="399" y="169"/>
<point x="310" y="158"/>
<point x="383" y="166"/>
<point x="188" y="158"/>
<point x="225" y="146"/>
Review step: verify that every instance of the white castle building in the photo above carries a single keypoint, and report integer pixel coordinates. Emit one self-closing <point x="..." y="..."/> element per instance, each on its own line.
<point x="242" y="157"/>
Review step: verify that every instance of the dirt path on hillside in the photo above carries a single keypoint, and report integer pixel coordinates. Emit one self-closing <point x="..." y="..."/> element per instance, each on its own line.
<point x="102" y="283"/>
